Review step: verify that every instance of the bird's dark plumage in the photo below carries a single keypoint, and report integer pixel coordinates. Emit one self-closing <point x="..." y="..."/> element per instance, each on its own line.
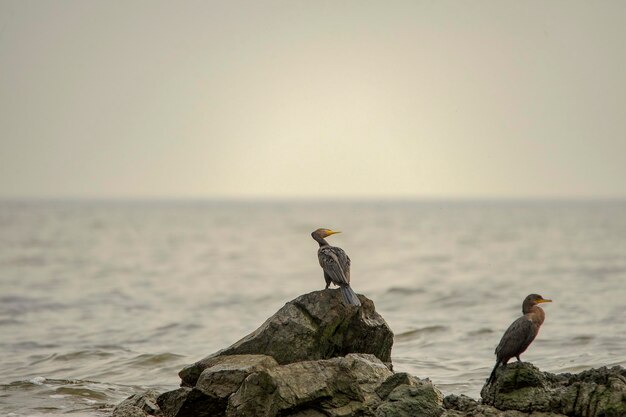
<point x="520" y="333"/>
<point x="336" y="265"/>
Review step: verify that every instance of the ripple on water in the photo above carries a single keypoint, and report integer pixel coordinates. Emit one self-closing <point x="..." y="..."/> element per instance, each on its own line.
<point x="423" y="278"/>
<point x="480" y="332"/>
<point x="419" y="333"/>
<point x="70" y="356"/>
<point x="148" y="360"/>
<point x="81" y="391"/>
<point x="10" y="321"/>
<point x="584" y="339"/>
<point x="83" y="354"/>
<point x="405" y="290"/>
<point x="47" y="395"/>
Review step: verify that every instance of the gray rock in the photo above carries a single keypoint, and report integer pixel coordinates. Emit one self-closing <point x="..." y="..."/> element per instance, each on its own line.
<point x="400" y="378"/>
<point x="420" y="399"/>
<point x="222" y="376"/>
<point x="337" y="387"/>
<point x="309" y="412"/>
<point x="190" y="402"/>
<point x="593" y="393"/>
<point x="463" y="406"/>
<point x="227" y="373"/>
<point x="314" y="326"/>
<point x="139" y="405"/>
<point x="226" y="363"/>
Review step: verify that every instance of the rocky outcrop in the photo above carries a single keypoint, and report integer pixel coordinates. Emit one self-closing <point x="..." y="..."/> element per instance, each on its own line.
<point x="354" y="385"/>
<point x="523" y="387"/>
<point x="314" y="326"/>
<point x="317" y="357"/>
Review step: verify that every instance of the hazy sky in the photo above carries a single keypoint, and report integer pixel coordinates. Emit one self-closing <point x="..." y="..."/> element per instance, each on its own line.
<point x="313" y="98"/>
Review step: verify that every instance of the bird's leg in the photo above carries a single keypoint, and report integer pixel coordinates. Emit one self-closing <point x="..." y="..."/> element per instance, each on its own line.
<point x="518" y="359"/>
<point x="327" y="279"/>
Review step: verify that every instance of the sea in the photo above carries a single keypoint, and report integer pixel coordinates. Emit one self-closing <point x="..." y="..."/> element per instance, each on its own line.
<point x="103" y="299"/>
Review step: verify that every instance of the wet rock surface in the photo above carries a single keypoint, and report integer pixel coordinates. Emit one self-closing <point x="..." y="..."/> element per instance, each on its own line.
<point x="317" y="357"/>
<point x="593" y="393"/>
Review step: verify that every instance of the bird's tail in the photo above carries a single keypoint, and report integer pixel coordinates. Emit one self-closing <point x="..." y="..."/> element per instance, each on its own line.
<point x="349" y="296"/>
<point x="493" y="373"/>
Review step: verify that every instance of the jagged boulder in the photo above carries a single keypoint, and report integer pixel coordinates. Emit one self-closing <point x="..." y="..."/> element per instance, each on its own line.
<point x="523" y="387"/>
<point x="314" y="326"/>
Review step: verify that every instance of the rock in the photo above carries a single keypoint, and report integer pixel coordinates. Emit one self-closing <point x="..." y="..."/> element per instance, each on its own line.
<point x="338" y="386"/>
<point x="593" y="393"/>
<point x="139" y="405"/>
<point x="460" y="403"/>
<point x="463" y="406"/>
<point x="243" y="363"/>
<point x="188" y="402"/>
<point x="314" y="326"/>
<point x="393" y="381"/>
<point x="419" y="400"/>
<point x="253" y="386"/>
<point x="220" y="377"/>
<point x="228" y="372"/>
<point x="309" y="412"/>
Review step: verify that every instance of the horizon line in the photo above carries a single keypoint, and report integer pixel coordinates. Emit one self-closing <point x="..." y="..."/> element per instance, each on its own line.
<point x="302" y="198"/>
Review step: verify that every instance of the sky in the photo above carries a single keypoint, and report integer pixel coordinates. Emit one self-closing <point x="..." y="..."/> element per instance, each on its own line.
<point x="308" y="99"/>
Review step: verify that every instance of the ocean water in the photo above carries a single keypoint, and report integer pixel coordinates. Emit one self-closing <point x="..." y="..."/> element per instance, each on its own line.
<point x="102" y="299"/>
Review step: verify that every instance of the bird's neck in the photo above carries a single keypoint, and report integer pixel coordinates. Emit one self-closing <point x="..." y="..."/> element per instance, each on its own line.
<point x="321" y="241"/>
<point x="536" y="315"/>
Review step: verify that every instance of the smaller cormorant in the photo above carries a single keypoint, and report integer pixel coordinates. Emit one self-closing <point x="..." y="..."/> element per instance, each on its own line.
<point x="336" y="265"/>
<point x="521" y="332"/>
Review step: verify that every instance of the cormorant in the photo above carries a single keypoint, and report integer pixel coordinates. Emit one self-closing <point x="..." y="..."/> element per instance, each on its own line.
<point x="336" y="265"/>
<point x="521" y="332"/>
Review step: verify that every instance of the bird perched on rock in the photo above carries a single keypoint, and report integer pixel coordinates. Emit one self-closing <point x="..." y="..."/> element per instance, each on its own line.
<point x="336" y="265"/>
<point x="521" y="332"/>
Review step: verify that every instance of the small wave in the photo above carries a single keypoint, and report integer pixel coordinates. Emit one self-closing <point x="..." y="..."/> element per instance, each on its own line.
<point x="33" y="345"/>
<point x="417" y="333"/>
<point x="63" y="396"/>
<point x="583" y="339"/>
<point x="83" y="354"/>
<point x="405" y="290"/>
<point x="81" y="391"/>
<point x="154" y="359"/>
<point x="480" y="332"/>
<point x="16" y="304"/>
<point x="6" y="322"/>
<point x="70" y="356"/>
<point x="38" y="380"/>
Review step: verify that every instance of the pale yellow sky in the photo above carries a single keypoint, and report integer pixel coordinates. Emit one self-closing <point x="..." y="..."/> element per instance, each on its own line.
<point x="312" y="98"/>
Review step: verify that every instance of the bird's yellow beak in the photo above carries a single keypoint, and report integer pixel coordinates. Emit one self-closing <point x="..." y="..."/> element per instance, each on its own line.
<point x="543" y="300"/>
<point x="331" y="232"/>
